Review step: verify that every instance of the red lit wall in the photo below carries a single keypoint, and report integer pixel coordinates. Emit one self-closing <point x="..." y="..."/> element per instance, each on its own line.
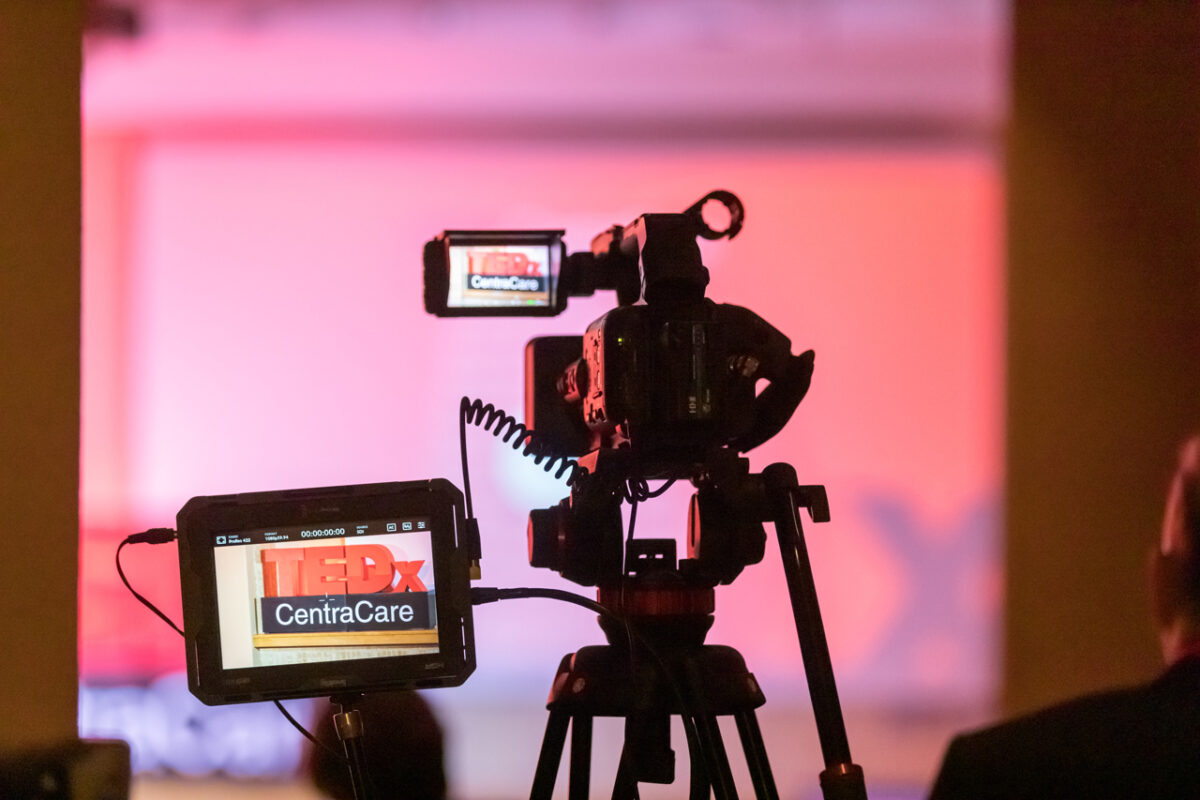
<point x="253" y="321"/>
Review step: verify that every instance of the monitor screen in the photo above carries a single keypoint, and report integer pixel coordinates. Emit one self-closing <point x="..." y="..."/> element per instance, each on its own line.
<point x="297" y="594"/>
<point x="308" y="592"/>
<point x="504" y="275"/>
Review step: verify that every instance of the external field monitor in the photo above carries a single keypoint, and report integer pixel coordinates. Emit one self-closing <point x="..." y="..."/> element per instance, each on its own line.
<point x="314" y="592"/>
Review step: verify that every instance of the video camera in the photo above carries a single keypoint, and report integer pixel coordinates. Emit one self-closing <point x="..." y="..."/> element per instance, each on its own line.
<point x="350" y="589"/>
<point x="665" y="386"/>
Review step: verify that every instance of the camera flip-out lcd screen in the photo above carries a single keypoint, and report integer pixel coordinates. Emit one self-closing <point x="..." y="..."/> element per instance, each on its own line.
<point x="310" y="592"/>
<point x="493" y="272"/>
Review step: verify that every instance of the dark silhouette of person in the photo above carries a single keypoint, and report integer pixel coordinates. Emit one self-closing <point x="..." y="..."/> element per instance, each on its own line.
<point x="1139" y="742"/>
<point x="402" y="750"/>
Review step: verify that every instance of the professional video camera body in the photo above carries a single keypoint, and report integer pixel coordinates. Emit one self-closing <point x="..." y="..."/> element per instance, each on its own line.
<point x="663" y="387"/>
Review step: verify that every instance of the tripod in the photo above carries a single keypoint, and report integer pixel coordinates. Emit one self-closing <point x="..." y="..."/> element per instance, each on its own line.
<point x="677" y="674"/>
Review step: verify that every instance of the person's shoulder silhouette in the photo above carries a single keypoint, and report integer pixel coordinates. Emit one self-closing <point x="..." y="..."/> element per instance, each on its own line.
<point x="1140" y="742"/>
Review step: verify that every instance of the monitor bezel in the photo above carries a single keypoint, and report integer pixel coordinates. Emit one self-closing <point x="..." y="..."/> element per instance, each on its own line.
<point x="202" y="519"/>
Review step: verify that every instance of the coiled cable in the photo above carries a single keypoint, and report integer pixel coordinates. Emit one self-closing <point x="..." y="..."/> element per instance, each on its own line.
<point x="505" y="427"/>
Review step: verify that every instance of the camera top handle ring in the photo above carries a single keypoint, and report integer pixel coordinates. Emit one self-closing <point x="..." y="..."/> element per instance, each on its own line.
<point x="737" y="214"/>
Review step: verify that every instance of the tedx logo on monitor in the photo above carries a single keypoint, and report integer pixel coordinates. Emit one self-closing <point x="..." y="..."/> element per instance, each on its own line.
<point x="342" y="594"/>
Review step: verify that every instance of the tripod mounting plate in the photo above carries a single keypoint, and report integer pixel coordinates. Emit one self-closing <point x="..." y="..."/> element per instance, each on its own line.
<point x="603" y="681"/>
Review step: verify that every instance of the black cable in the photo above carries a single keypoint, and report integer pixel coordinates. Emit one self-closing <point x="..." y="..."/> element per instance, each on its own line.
<point x="163" y="536"/>
<point x="304" y="732"/>
<point x="505" y="427"/>
<point x="636" y="490"/>
<point x="462" y="446"/>
<point x="482" y="595"/>
<point x="152" y="536"/>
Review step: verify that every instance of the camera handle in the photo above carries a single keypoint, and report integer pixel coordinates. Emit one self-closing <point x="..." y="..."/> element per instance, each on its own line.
<point x="842" y="779"/>
<point x="349" y="727"/>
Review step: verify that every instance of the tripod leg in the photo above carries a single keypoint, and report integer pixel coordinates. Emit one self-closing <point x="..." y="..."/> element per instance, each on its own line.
<point x="709" y="748"/>
<point x="756" y="756"/>
<point x="625" y="787"/>
<point x="700" y="789"/>
<point x="716" y="762"/>
<point x="550" y="756"/>
<point x="841" y="778"/>
<point x="579" y="782"/>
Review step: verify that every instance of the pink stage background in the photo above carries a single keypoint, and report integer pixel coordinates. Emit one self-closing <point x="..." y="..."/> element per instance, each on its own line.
<point x="253" y="321"/>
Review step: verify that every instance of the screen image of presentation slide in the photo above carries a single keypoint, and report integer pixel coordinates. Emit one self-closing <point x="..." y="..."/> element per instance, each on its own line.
<point x="328" y="598"/>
